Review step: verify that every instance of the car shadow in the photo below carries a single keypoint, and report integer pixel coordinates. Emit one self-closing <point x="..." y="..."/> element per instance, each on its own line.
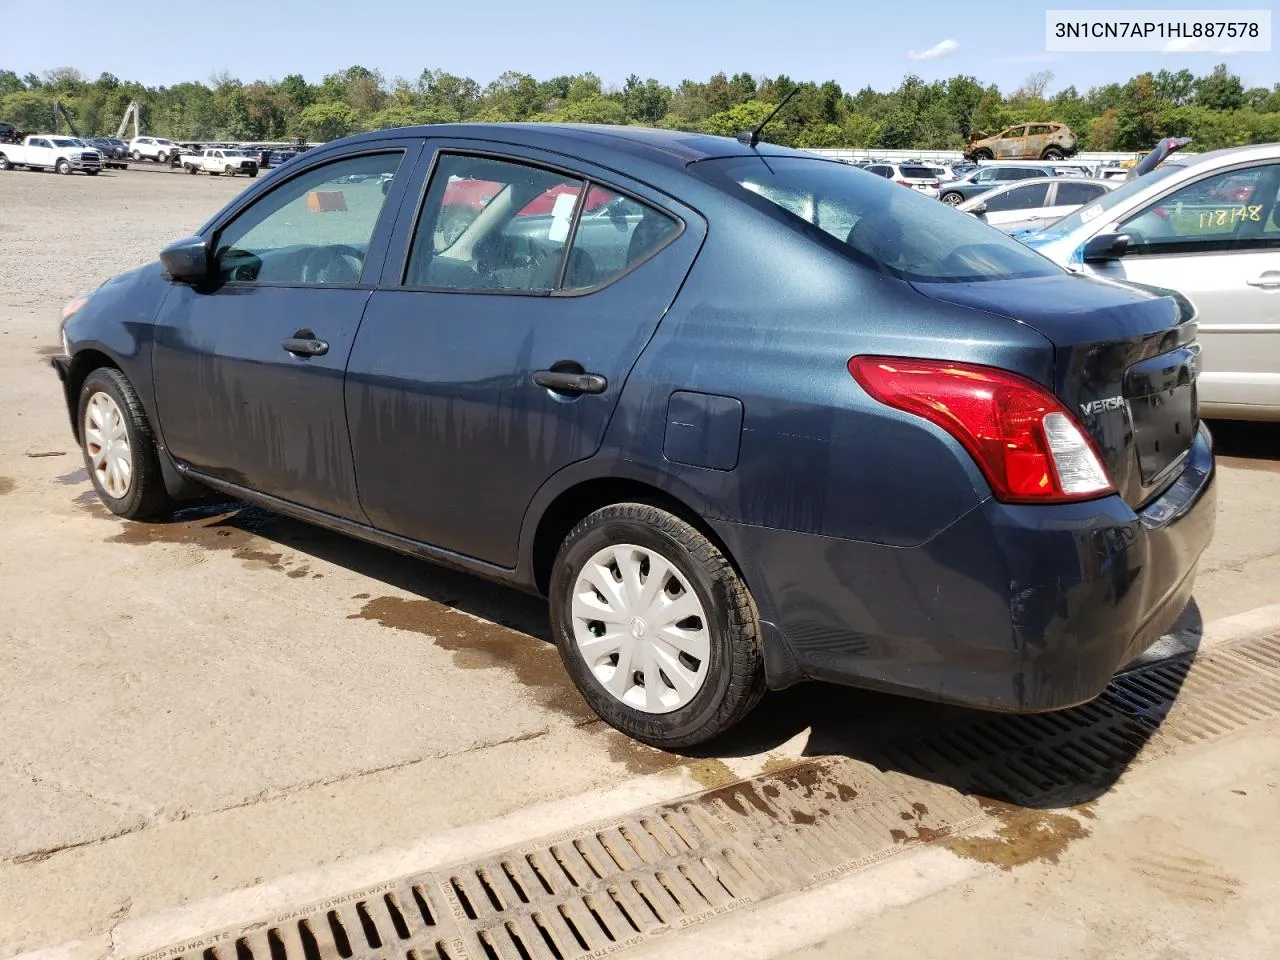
<point x="1253" y="445"/>
<point x="1060" y="759"/>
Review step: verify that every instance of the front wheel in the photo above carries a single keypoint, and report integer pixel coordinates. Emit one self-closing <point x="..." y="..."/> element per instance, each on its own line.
<point x="655" y="627"/>
<point x="983" y="154"/>
<point x="4" y="163"/>
<point x="1054" y="153"/>
<point x="952" y="199"/>
<point x="64" y="168"/>
<point x="119" y="448"/>
<point x="229" y="171"/>
<point x="137" y="156"/>
<point x="92" y="173"/>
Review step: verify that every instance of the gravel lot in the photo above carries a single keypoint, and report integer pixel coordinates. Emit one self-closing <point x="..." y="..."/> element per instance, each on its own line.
<point x="187" y="708"/>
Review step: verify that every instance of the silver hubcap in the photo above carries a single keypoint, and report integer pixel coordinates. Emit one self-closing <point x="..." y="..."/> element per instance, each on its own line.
<point x="640" y="628"/>
<point x="106" y="439"/>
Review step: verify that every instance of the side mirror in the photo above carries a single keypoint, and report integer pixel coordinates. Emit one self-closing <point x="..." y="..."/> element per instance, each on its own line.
<point x="187" y="261"/>
<point x="979" y="211"/>
<point x="1105" y="246"/>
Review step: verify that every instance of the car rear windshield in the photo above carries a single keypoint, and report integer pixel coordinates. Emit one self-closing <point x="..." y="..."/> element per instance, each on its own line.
<point x="874" y="221"/>
<point x="919" y="173"/>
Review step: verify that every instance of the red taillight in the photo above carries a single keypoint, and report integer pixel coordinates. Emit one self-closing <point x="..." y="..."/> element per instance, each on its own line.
<point x="905" y="183"/>
<point x="1027" y="443"/>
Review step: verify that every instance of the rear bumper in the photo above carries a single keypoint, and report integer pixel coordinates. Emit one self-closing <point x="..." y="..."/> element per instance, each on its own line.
<point x="1014" y="608"/>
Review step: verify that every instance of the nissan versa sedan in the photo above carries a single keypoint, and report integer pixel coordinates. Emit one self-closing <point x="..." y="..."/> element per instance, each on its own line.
<point x="744" y="415"/>
<point x="1034" y="204"/>
<point x="1207" y="226"/>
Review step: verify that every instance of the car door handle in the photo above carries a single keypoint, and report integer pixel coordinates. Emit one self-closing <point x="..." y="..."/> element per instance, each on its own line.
<point x="569" y="382"/>
<point x="305" y="346"/>
<point x="1267" y="280"/>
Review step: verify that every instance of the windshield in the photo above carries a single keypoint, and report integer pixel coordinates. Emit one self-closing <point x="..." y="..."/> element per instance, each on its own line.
<point x="874" y="221"/>
<point x="1091" y="211"/>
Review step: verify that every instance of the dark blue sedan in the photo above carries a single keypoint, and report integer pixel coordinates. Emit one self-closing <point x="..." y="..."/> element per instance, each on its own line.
<point x="746" y="416"/>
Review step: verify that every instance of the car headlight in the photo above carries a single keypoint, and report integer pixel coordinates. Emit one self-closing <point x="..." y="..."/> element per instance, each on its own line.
<point x="73" y="306"/>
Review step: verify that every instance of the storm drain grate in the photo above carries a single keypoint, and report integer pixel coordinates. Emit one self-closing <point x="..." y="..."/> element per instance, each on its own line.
<point x="614" y="885"/>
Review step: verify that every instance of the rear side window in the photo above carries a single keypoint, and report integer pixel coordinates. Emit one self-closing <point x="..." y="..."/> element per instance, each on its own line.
<point x="493" y="225"/>
<point x="614" y="233"/>
<point x="1071" y="194"/>
<point x="879" y="225"/>
<point x="1019" y="198"/>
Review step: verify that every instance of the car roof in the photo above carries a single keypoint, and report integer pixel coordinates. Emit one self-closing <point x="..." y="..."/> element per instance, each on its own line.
<point x="1226" y="156"/>
<point x="673" y="148"/>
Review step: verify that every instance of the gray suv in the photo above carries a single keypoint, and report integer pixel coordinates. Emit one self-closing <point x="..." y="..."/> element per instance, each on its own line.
<point x="988" y="177"/>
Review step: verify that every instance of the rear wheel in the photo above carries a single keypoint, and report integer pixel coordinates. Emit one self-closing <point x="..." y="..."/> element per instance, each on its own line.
<point x="952" y="199"/>
<point x="92" y="173"/>
<point x="4" y="163"/>
<point x="136" y="156"/>
<point x="64" y="168"/>
<point x="983" y="154"/>
<point x="654" y="626"/>
<point x="1053" y="153"/>
<point x="119" y="448"/>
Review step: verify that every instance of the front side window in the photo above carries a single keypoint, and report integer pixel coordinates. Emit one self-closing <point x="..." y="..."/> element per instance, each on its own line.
<point x="614" y="233"/>
<point x="879" y="225"/>
<point x="1019" y="198"/>
<point x="1225" y="211"/>
<point x="313" y="229"/>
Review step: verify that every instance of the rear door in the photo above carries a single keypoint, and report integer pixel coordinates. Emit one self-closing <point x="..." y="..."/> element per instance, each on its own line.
<point x="514" y="304"/>
<point x="1217" y="240"/>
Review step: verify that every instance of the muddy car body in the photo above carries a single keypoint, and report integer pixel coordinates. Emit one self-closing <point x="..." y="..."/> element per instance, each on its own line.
<point x="1026" y="141"/>
<point x="702" y="417"/>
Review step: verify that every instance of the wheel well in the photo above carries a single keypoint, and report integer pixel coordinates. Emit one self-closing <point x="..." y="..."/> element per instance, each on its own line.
<point x="83" y="364"/>
<point x="577" y="502"/>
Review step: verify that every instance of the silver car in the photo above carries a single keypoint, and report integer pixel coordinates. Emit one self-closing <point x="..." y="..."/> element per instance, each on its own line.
<point x="1034" y="204"/>
<point x="1207" y="226"/>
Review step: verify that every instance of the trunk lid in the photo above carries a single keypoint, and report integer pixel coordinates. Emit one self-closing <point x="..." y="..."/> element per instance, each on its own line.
<point x="1125" y="363"/>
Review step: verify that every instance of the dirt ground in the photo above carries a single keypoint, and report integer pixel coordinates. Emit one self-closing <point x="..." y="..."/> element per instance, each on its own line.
<point x="192" y="708"/>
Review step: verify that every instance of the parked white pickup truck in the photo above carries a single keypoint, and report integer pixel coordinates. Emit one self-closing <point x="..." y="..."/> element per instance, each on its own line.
<point x="218" y="161"/>
<point x="48" y="151"/>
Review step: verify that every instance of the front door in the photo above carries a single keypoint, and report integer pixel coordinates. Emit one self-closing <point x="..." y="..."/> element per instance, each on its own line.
<point x="249" y="371"/>
<point x="1217" y="240"/>
<point x="494" y="353"/>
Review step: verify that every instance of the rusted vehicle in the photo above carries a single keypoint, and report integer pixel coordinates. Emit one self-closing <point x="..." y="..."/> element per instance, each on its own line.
<point x="1025" y="141"/>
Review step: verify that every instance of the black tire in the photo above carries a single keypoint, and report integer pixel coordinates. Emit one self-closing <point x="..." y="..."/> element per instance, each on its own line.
<point x="4" y="163"/>
<point x="252" y="174"/>
<point x="983" y="154"/>
<point x="64" y="168"/>
<point x="952" y="198"/>
<point x="136" y="156"/>
<point x="1054" y="153"/>
<point x="215" y="173"/>
<point x="93" y="173"/>
<point x="734" y="681"/>
<point x="230" y="171"/>
<point x="146" y="496"/>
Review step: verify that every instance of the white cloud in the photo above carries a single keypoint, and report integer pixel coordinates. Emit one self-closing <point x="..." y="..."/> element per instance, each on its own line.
<point x="943" y="48"/>
<point x="1195" y="44"/>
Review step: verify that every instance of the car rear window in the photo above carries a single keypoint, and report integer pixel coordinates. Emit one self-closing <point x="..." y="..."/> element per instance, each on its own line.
<point x="873" y="221"/>
<point x="919" y="173"/>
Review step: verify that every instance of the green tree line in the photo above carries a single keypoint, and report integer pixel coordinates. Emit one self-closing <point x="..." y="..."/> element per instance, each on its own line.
<point x="1216" y="109"/>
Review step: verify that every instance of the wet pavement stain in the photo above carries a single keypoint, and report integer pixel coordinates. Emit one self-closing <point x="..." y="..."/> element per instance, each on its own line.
<point x="1024" y="835"/>
<point x="74" y="477"/>
<point x="232" y="528"/>
<point x="480" y="645"/>
<point x="6" y="486"/>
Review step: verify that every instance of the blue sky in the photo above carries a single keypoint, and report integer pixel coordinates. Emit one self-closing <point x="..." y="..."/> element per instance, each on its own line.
<point x="856" y="44"/>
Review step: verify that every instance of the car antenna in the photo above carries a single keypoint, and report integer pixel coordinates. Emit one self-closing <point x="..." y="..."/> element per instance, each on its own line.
<point x="752" y="137"/>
